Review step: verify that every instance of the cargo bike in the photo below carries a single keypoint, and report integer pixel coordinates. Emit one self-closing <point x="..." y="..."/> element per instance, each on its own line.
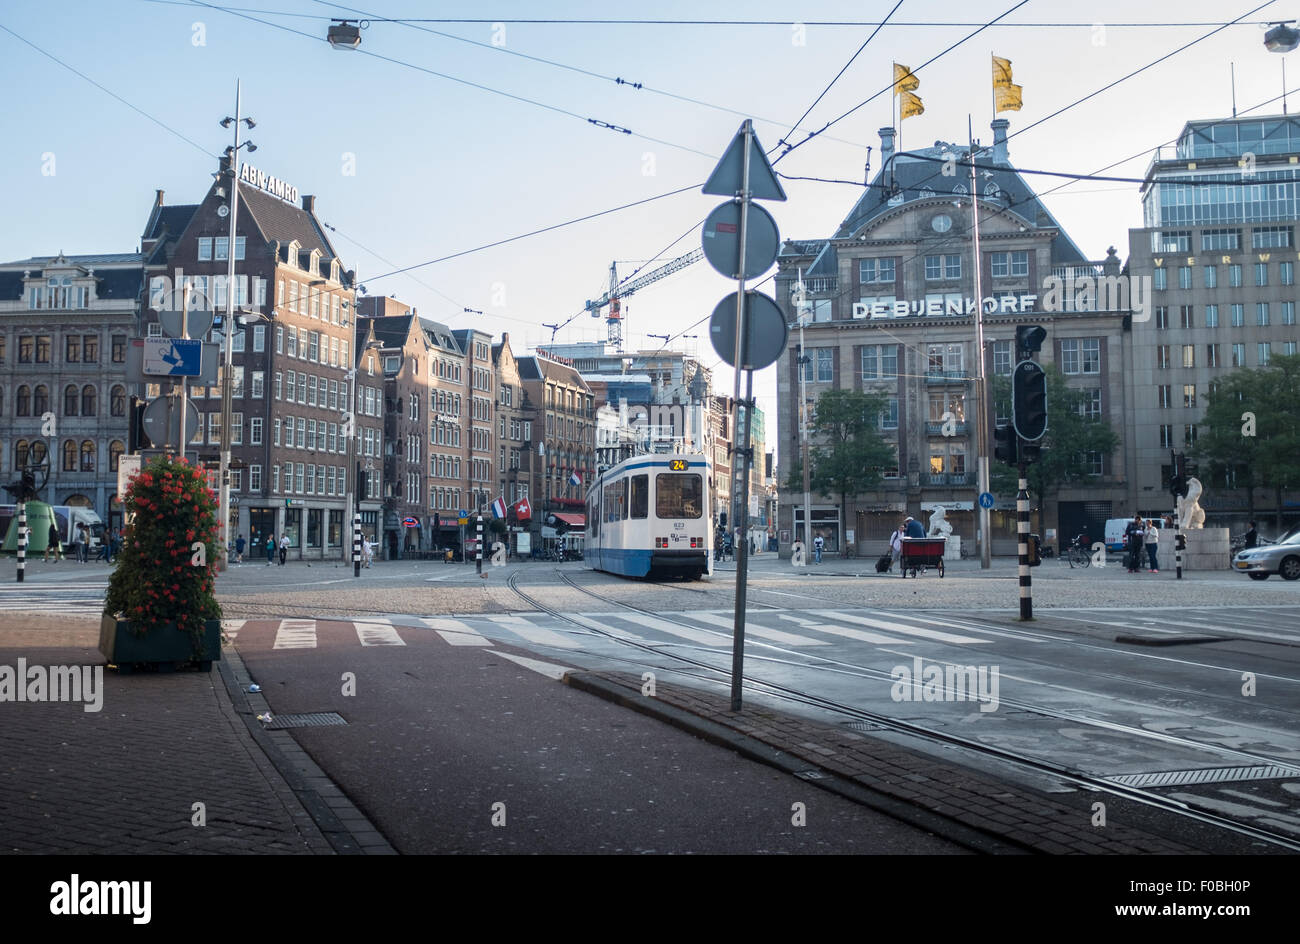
<point x="921" y="553"/>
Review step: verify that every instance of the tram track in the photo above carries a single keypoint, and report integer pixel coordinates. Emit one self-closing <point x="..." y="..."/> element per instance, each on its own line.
<point x="1078" y="778"/>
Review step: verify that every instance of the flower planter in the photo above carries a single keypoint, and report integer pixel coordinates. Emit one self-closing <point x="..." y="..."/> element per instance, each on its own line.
<point x="165" y="649"/>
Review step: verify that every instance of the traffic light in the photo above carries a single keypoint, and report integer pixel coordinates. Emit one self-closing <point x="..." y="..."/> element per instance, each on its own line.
<point x="1029" y="401"/>
<point x="1178" y="480"/>
<point x="1029" y="339"/>
<point x="1030" y="453"/>
<point x="136" y="438"/>
<point x="1004" y="445"/>
<point x="1035" y="550"/>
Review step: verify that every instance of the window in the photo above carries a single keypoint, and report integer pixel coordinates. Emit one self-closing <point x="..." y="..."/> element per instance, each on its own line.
<point x="1189" y="434"/>
<point x="236" y="429"/>
<point x="87" y="456"/>
<point x="1189" y="355"/>
<point x="1286" y="273"/>
<point x="1238" y="315"/>
<point x="1212" y="355"/>
<point x="1239" y="355"/>
<point x="889" y="416"/>
<point x="72" y="349"/>
<point x="1090" y="408"/>
<point x="275" y="474"/>
<point x="279" y="339"/>
<point x="70" y="399"/>
<point x="1166" y="436"/>
<point x="255" y="431"/>
<point x="40" y="400"/>
<point x="119" y="349"/>
<point x="1185" y="316"/>
<point x="1211" y="276"/>
<point x="221" y="248"/>
<point x="1160" y="280"/>
<point x="293" y="342"/>
<point x="88" y="400"/>
<point x="205" y="249"/>
<point x="42" y="348"/>
<point x="254" y="478"/>
<point x="678" y="495"/>
<point x="1261" y="313"/>
<point x="1178" y="242"/>
<point x="876" y="270"/>
<point x="1288" y="313"/>
<point x="1264" y="351"/>
<point x="258" y="385"/>
<point x="1189" y="395"/>
<point x="1184" y="276"/>
<point x="1289" y="348"/>
<point x="1211" y="316"/>
<point x="944" y="267"/>
<point x="90" y="349"/>
<point x="1009" y="264"/>
<point x="1166" y="396"/>
<point x="1270" y="237"/>
<point x="825" y="364"/>
<point x="214" y="427"/>
<point x="275" y="431"/>
<point x="1162" y="357"/>
<point x="1081" y="356"/>
<point x="1261" y="273"/>
<point x="1213" y="240"/>
<point x="1234" y="275"/>
<point x="879" y="362"/>
<point x="1162" y="318"/>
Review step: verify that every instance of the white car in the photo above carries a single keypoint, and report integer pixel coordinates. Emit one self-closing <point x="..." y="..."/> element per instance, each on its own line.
<point x="1282" y="557"/>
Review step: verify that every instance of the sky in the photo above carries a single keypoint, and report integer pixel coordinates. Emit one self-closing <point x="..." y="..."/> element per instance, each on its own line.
<point x="437" y="138"/>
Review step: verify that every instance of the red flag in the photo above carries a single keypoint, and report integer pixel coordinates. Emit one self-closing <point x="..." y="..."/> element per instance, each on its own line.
<point x="523" y="510"/>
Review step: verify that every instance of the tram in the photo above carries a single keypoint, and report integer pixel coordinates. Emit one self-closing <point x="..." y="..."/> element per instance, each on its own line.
<point x="649" y="516"/>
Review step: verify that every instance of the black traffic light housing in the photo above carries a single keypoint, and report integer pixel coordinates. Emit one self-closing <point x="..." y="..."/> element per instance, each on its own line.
<point x="1005" y="445"/>
<point x="1178" y="480"/>
<point x="1029" y="401"/>
<point x="1029" y="339"/>
<point x="23" y="490"/>
<point x="1035" y="548"/>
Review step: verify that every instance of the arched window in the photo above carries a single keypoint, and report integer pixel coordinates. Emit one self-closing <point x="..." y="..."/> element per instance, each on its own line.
<point x="115" y="450"/>
<point x="20" y="454"/>
<point x="40" y="400"/>
<point x="70" y="401"/>
<point x="87" y="456"/>
<point x="23" y="404"/>
<point x="117" y="401"/>
<point x="88" y="397"/>
<point x="69" y="456"/>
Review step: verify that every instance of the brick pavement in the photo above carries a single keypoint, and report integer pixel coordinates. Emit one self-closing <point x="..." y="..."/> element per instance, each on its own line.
<point x="124" y="779"/>
<point x="879" y="770"/>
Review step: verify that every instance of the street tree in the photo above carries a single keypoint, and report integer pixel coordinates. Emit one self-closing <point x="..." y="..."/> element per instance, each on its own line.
<point x="1069" y="448"/>
<point x="848" y="455"/>
<point x="1251" y="435"/>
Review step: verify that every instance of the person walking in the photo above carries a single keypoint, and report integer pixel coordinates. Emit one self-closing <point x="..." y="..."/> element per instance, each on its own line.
<point x="1151" y="539"/>
<point x="1134" y="535"/>
<point x="115" y="545"/>
<point x="1252" y="537"/>
<point x="895" y="546"/>
<point x="284" y="548"/>
<point x="52" y="544"/>
<point x="367" y="550"/>
<point x="239" y="549"/>
<point x="83" y="544"/>
<point x="270" y="549"/>
<point x="819" y="545"/>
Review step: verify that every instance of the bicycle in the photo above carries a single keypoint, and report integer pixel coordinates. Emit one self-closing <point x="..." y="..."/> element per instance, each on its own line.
<point x="1078" y="553"/>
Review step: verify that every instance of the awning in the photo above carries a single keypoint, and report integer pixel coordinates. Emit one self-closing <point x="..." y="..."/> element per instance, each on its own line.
<point x="573" y="521"/>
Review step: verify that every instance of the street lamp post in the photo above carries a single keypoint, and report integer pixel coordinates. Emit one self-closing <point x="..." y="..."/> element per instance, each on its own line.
<point x="229" y="328"/>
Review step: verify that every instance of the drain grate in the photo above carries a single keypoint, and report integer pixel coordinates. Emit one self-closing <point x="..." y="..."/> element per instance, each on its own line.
<point x="865" y="726"/>
<point x="1178" y="778"/>
<point x="315" y="719"/>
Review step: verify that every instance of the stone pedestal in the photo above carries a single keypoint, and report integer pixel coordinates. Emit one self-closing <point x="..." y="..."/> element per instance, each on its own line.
<point x="1207" y="549"/>
<point x="952" y="549"/>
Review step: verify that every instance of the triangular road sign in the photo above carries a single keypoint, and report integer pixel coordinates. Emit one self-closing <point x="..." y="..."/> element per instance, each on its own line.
<point x="726" y="179"/>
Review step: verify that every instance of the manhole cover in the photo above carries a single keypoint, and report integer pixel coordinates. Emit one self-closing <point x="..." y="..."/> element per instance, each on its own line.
<point x="315" y="719"/>
<point x="1178" y="778"/>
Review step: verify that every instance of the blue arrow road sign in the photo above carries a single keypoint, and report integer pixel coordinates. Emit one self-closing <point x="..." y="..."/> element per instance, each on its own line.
<point x="986" y="500"/>
<point x="173" y="357"/>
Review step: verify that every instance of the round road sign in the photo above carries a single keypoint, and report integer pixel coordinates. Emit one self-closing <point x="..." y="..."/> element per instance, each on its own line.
<point x="721" y="241"/>
<point x="986" y="500"/>
<point x="765" y="330"/>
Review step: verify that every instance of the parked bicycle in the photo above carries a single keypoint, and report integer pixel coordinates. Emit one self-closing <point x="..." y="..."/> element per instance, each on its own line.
<point x="1078" y="553"/>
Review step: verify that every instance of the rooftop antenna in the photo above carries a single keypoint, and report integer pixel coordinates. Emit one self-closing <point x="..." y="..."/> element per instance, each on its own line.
<point x="1232" y="71"/>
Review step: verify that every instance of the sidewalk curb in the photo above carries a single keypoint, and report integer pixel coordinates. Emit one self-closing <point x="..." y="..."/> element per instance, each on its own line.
<point x="327" y="805"/>
<point x="795" y="765"/>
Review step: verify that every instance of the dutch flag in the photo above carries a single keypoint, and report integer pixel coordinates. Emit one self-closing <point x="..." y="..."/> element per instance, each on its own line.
<point x="499" y="508"/>
<point x="575" y="478"/>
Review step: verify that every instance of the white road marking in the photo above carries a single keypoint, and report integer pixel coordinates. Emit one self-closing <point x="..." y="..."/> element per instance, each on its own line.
<point x="673" y="629"/>
<point x="535" y="634"/>
<point x="232" y="626"/>
<point x="373" y="633"/>
<point x="456" y="632"/>
<point x="905" y="629"/>
<point x="858" y="634"/>
<point x="295" y="634"/>
<point x="549" y="669"/>
<point x="755" y="629"/>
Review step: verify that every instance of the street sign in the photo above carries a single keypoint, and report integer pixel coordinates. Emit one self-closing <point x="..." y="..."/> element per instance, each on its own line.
<point x="162" y="422"/>
<point x="987" y="500"/>
<point x="127" y="466"/>
<point x="725" y="181"/>
<point x="172" y="357"/>
<point x="198" y="322"/>
<point x="765" y="328"/>
<point x="721" y="241"/>
<point x="410" y="522"/>
<point x="462" y="520"/>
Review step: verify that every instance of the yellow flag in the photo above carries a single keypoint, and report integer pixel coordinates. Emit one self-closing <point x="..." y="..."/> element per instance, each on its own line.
<point x="1006" y="98"/>
<point x="904" y="81"/>
<point x="909" y="105"/>
<point x="1001" y="72"/>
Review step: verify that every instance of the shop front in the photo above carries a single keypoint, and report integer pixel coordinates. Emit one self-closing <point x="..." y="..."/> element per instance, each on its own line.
<point x="825" y="524"/>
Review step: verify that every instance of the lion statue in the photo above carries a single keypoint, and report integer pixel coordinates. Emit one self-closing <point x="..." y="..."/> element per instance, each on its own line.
<point x="939" y="526"/>
<point x="1193" y="513"/>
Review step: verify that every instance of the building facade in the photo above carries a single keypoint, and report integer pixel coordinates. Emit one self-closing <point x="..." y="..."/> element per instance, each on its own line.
<point x="567" y="437"/>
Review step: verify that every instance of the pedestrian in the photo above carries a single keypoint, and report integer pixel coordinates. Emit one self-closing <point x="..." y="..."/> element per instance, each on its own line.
<point x="819" y="544"/>
<point x="83" y="544"/>
<point x="284" y="548"/>
<point x="913" y="528"/>
<point x="1134" y="535"/>
<point x="52" y="544"/>
<point x="105" y="548"/>
<point x="270" y="549"/>
<point x="1252" y="536"/>
<point x="1152" y="541"/>
<point x="239" y="549"/>
<point x="895" y="546"/>
<point x="115" y="544"/>
<point x="367" y="550"/>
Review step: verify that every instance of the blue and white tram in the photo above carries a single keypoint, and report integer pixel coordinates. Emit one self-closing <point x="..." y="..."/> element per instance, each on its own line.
<point x="650" y="516"/>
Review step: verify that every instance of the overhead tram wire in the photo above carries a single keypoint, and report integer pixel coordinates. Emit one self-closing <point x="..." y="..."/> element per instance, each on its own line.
<point x="599" y="123"/>
<point x="618" y="80"/>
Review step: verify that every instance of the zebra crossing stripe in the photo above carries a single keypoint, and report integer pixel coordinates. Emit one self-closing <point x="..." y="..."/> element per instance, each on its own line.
<point x="534" y="634"/>
<point x="455" y="632"/>
<point x="860" y="635"/>
<point x="231" y="627"/>
<point x="373" y="633"/>
<point x="295" y="634"/>
<point x="673" y="629"/>
<point x="753" y="629"/>
<point x="901" y="628"/>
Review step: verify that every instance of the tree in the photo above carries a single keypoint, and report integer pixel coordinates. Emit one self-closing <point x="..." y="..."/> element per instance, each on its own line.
<point x="850" y="454"/>
<point x="1071" y="437"/>
<point x="1252" y="435"/>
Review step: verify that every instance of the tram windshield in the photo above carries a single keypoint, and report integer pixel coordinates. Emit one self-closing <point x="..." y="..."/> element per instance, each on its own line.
<point x="679" y="495"/>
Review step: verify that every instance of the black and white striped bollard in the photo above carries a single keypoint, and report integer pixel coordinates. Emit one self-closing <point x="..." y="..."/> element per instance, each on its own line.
<point x="22" y="539"/>
<point x="478" y="556"/>
<point x="1022" y="529"/>
<point x="1179" y="539"/>
<point x="356" y="545"/>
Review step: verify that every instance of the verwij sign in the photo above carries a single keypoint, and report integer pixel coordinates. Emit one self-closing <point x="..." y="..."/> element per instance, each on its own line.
<point x="272" y="185"/>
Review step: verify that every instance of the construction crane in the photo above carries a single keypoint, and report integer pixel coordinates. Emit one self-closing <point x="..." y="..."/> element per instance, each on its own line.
<point x="617" y="292"/>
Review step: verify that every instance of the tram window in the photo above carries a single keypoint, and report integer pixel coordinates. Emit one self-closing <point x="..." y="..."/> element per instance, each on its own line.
<point x="678" y="495"/>
<point x="611" y="506"/>
<point x="622" y="500"/>
<point x="593" y="513"/>
<point x="640" y="502"/>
